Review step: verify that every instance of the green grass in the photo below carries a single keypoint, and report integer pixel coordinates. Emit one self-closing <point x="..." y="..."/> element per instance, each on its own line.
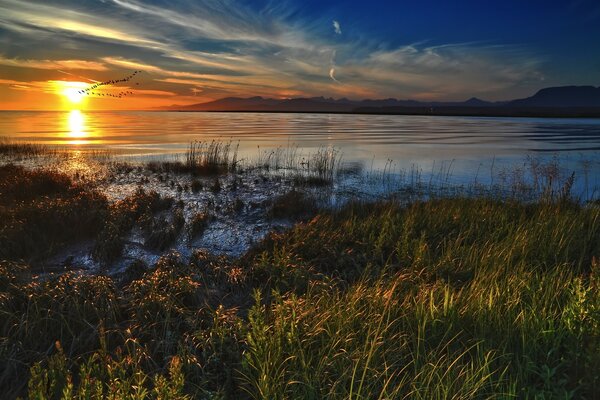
<point x="449" y="298"/>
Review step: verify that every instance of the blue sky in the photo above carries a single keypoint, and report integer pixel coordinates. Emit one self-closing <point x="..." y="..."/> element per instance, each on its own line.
<point x="193" y="51"/>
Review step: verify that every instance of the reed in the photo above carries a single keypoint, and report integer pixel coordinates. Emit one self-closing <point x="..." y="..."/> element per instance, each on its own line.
<point x="211" y="157"/>
<point x="13" y="148"/>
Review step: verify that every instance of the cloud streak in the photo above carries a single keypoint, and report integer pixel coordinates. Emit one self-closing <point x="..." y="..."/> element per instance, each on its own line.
<point x="202" y="50"/>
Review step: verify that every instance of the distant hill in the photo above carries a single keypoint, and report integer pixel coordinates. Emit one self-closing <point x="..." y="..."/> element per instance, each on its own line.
<point x="230" y="104"/>
<point x="571" y="101"/>
<point x="314" y="104"/>
<point x="565" y="96"/>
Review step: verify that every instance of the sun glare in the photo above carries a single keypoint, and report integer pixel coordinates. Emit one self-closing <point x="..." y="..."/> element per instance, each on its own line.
<point x="73" y="95"/>
<point x="70" y="91"/>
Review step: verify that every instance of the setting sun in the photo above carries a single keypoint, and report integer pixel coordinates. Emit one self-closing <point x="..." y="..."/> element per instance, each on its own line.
<point x="73" y="95"/>
<point x="70" y="91"/>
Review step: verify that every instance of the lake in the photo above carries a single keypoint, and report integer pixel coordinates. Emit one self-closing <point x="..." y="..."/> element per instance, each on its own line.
<point x="462" y="148"/>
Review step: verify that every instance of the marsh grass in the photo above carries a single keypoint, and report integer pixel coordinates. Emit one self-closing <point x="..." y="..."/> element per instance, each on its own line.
<point x="43" y="210"/>
<point x="123" y="215"/>
<point x="463" y="297"/>
<point x="445" y="298"/>
<point x="293" y="204"/>
<point x="201" y="159"/>
<point x="319" y="168"/>
<point x="441" y="299"/>
<point x="12" y="148"/>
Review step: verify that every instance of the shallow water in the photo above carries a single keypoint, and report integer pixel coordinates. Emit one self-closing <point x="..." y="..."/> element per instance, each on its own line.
<point x="457" y="149"/>
<point x="382" y="156"/>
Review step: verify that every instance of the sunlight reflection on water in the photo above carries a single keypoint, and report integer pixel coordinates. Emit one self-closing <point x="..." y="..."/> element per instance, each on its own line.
<point x="76" y="127"/>
<point x="470" y="145"/>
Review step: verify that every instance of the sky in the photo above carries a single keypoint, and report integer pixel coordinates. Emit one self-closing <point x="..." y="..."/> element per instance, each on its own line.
<point x="196" y="51"/>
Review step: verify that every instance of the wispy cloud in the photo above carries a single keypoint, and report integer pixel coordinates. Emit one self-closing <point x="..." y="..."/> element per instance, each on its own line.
<point x="336" y="27"/>
<point x="53" y="64"/>
<point x="213" y="48"/>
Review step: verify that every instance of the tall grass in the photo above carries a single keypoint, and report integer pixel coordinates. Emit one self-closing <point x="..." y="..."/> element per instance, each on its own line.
<point x="43" y="210"/>
<point x="443" y="299"/>
<point x="214" y="156"/>
<point x="12" y="148"/>
<point x="317" y="168"/>
<point x="449" y="298"/>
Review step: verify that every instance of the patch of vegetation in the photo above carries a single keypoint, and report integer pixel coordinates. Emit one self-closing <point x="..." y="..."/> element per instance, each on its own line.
<point x="199" y="223"/>
<point x="453" y="298"/>
<point x="138" y="208"/>
<point x="211" y="158"/>
<point x="42" y="210"/>
<point x="201" y="159"/>
<point x="11" y="148"/>
<point x="162" y="233"/>
<point x="293" y="204"/>
<point x="196" y="186"/>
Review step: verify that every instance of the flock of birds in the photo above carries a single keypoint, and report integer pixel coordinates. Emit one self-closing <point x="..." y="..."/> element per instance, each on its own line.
<point x="91" y="90"/>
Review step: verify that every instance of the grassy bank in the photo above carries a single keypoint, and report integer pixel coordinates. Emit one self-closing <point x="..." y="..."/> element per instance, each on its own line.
<point x="451" y="298"/>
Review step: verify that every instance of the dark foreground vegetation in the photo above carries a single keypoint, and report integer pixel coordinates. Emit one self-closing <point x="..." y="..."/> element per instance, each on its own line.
<point x="41" y="211"/>
<point x="446" y="298"/>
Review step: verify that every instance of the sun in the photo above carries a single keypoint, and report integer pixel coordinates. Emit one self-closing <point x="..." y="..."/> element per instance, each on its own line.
<point x="73" y="95"/>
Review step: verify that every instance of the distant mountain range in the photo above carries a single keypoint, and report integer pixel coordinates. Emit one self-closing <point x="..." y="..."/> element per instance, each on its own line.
<point x="570" y="101"/>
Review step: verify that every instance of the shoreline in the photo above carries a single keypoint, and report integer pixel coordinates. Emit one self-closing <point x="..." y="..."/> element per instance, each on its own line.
<point x="477" y="112"/>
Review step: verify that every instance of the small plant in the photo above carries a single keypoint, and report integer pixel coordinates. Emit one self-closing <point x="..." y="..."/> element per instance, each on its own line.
<point x="199" y="223"/>
<point x="293" y="204"/>
<point x="138" y="208"/>
<point x="216" y="186"/>
<point x="196" y="186"/>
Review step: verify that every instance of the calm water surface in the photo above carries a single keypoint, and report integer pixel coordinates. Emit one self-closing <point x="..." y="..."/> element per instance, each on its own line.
<point x="466" y="146"/>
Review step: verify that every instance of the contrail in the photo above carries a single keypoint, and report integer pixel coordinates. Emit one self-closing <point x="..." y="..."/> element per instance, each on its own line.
<point x="76" y="76"/>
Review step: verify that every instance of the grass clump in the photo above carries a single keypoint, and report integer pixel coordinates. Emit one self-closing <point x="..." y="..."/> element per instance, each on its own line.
<point x="162" y="233"/>
<point x="320" y="168"/>
<point x="199" y="223"/>
<point x="201" y="159"/>
<point x="123" y="215"/>
<point x="293" y="204"/>
<point x="11" y="148"/>
<point x="42" y="210"/>
<point x="211" y="158"/>
<point x="449" y="298"/>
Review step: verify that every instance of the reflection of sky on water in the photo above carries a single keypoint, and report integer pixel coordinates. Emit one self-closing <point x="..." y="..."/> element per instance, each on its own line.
<point x="465" y="146"/>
